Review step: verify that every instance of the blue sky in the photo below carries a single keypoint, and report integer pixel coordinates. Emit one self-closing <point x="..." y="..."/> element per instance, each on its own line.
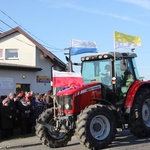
<point x="56" y="22"/>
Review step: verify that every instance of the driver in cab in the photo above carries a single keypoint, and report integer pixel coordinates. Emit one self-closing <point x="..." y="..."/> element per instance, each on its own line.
<point x="107" y="77"/>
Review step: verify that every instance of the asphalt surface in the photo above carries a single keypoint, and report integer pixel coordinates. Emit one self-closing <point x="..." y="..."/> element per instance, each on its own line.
<point x="20" y="142"/>
<point x="124" y="141"/>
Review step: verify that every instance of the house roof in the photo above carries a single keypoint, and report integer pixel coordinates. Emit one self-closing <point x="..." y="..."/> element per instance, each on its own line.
<point x="18" y="67"/>
<point x="47" y="53"/>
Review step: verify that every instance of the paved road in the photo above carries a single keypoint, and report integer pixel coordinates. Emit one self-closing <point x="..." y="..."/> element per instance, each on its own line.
<point x="124" y="141"/>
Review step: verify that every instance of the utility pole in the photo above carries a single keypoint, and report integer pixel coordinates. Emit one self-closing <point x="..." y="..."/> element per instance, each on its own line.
<point x="70" y="68"/>
<point x="68" y="59"/>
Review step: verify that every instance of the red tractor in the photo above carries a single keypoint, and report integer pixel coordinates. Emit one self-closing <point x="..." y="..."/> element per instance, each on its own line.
<point x="112" y="97"/>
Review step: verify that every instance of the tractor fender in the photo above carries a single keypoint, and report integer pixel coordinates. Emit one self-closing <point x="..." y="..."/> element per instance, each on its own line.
<point x="112" y="108"/>
<point x="132" y="92"/>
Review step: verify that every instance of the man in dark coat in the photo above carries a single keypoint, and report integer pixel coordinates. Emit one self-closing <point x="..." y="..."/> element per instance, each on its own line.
<point x="25" y="110"/>
<point x="14" y="110"/>
<point x="6" y="119"/>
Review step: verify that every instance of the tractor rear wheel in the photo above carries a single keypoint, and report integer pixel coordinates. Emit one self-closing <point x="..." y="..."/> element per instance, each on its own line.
<point x="96" y="127"/>
<point x="140" y="114"/>
<point x="52" y="138"/>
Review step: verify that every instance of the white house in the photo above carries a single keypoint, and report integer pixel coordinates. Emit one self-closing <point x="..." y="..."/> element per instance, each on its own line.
<point x="25" y="64"/>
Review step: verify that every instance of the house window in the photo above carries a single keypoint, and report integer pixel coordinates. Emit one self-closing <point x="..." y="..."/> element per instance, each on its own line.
<point x="11" y="54"/>
<point x="1" y="54"/>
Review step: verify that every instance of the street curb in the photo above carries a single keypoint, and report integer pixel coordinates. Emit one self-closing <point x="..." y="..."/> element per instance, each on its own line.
<point x="19" y="146"/>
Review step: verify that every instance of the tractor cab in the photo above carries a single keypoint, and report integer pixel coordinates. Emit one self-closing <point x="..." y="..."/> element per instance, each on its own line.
<point x="115" y="71"/>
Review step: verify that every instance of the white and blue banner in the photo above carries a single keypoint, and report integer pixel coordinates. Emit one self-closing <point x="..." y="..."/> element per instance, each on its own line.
<point x="80" y="47"/>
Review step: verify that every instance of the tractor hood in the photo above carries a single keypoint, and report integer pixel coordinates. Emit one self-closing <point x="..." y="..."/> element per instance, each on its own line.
<point x="85" y="87"/>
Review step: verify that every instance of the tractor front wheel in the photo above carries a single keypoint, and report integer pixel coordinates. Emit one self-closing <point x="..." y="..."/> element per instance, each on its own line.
<point x="51" y="137"/>
<point x="96" y="127"/>
<point x="140" y="114"/>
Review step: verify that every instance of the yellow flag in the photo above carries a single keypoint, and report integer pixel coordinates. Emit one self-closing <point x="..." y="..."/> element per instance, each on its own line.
<point x="124" y="41"/>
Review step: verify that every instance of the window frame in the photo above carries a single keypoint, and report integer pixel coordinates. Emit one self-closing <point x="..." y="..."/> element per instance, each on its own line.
<point x="11" y="58"/>
<point x="1" y="58"/>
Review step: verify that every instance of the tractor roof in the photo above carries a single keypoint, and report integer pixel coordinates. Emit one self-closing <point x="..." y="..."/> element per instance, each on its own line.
<point x="107" y="55"/>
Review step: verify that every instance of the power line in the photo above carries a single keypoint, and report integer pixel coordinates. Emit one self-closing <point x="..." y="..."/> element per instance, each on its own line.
<point x="55" y="51"/>
<point x="2" y="30"/>
<point x="25" y="42"/>
<point x="6" y="24"/>
<point x="17" y="38"/>
<point x="50" y="46"/>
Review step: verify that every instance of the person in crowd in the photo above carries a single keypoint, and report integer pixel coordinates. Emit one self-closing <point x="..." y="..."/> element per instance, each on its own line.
<point x="39" y="105"/>
<point x="6" y="119"/>
<point x="49" y="99"/>
<point x="25" y="112"/>
<point x="43" y="98"/>
<point x="0" y="110"/>
<point x="17" y="102"/>
<point x="14" y="110"/>
<point x="19" y="111"/>
<point x="32" y="120"/>
<point x="20" y="95"/>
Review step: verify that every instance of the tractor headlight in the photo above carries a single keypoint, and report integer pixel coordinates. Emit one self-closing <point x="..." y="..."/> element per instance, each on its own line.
<point x="64" y="102"/>
<point x="59" y="106"/>
<point x="66" y="106"/>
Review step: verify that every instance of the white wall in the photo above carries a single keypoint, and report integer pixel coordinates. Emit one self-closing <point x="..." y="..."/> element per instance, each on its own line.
<point x="30" y="79"/>
<point x="26" y="49"/>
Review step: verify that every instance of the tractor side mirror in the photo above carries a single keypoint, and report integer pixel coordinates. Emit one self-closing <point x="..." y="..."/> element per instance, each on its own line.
<point x="123" y="65"/>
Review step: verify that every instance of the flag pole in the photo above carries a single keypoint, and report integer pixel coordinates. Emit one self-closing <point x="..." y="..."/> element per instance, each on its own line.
<point x="114" y="75"/>
<point x="71" y="69"/>
<point x="54" y="96"/>
<point x="114" y="57"/>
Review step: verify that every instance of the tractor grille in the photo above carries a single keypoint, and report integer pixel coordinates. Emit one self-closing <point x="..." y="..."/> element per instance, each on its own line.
<point x="64" y="102"/>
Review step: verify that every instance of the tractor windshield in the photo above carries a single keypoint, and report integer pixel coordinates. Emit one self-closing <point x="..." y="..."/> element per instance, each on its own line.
<point x="97" y="70"/>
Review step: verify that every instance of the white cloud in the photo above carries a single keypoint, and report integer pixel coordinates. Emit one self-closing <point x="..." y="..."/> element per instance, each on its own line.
<point x="70" y="5"/>
<point x="126" y="18"/>
<point x="142" y="3"/>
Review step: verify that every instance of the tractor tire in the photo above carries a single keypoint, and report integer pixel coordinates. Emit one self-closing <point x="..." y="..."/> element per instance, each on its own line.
<point x="53" y="139"/>
<point x="96" y="127"/>
<point x="140" y="114"/>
